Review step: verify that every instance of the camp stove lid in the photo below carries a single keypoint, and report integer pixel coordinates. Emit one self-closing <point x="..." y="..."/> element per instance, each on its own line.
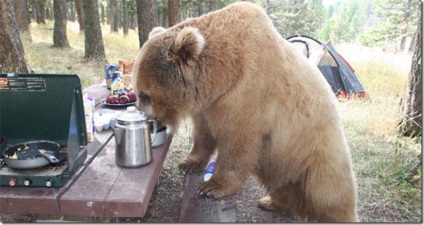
<point x="41" y="107"/>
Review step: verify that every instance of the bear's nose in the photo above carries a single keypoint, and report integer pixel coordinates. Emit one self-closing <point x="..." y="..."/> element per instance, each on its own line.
<point x="146" y="108"/>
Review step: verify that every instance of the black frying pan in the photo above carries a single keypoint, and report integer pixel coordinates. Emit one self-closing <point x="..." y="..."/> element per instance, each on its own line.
<point x="31" y="155"/>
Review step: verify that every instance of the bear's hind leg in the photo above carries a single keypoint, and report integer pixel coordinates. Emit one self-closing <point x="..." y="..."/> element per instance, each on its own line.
<point x="203" y="147"/>
<point x="333" y="203"/>
<point x="237" y="158"/>
<point x="286" y="199"/>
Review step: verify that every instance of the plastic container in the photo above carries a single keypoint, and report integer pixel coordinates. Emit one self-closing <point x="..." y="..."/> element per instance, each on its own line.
<point x="89" y="105"/>
<point x="105" y="119"/>
<point x="210" y="169"/>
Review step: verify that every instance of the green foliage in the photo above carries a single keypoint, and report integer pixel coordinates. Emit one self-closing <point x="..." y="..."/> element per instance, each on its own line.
<point x="194" y="8"/>
<point x="345" y="20"/>
<point x="395" y="20"/>
<point x="296" y="16"/>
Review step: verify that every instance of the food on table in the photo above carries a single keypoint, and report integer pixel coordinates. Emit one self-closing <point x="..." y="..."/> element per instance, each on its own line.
<point x="112" y="99"/>
<point x="14" y="156"/>
<point x="123" y="98"/>
<point x="132" y="96"/>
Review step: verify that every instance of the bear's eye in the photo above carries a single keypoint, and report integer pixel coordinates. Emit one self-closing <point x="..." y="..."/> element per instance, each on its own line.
<point x="144" y="98"/>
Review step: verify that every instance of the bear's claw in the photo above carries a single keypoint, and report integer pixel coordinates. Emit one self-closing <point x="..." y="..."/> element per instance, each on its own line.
<point x="191" y="166"/>
<point x="212" y="189"/>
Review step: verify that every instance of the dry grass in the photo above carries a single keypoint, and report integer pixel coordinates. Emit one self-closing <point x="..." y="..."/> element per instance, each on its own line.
<point x="382" y="159"/>
<point x="43" y="58"/>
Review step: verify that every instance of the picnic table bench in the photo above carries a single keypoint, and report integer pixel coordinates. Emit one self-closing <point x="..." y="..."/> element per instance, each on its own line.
<point x="100" y="189"/>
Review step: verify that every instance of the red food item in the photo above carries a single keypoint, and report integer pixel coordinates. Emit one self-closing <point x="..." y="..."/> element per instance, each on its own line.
<point x="122" y="93"/>
<point x="112" y="99"/>
<point x="123" y="99"/>
<point x="131" y="95"/>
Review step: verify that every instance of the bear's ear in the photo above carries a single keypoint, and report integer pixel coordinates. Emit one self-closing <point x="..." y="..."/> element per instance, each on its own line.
<point x="156" y="30"/>
<point x="188" y="45"/>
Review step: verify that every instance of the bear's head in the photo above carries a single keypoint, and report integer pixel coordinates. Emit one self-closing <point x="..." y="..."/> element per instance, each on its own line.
<point x="165" y="71"/>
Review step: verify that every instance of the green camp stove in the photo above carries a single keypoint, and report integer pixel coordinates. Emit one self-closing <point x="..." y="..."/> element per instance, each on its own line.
<point x="35" y="107"/>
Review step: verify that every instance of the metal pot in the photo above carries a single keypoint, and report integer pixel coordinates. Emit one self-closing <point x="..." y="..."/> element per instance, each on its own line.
<point x="30" y="155"/>
<point x="160" y="137"/>
<point x="132" y="136"/>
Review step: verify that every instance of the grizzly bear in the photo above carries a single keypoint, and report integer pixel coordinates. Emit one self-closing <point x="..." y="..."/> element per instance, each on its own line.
<point x="260" y="103"/>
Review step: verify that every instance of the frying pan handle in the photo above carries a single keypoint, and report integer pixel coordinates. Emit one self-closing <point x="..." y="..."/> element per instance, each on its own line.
<point x="49" y="157"/>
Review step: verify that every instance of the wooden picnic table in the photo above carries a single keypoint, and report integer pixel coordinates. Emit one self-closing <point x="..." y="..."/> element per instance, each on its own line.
<point x="99" y="188"/>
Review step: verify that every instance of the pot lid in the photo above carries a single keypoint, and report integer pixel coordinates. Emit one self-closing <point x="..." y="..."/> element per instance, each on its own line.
<point x="131" y="115"/>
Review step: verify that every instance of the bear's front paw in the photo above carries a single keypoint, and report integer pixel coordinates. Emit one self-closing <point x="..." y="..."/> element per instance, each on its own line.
<point x="214" y="189"/>
<point x="192" y="166"/>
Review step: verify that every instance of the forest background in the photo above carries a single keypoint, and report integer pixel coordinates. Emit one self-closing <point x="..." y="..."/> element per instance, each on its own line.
<point x="377" y="37"/>
<point x="390" y="24"/>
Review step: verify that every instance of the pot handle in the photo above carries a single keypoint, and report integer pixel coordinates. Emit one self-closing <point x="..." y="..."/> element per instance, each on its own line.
<point x="155" y="130"/>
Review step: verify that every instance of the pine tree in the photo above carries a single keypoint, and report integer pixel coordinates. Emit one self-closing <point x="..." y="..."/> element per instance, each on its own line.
<point x="396" y="20"/>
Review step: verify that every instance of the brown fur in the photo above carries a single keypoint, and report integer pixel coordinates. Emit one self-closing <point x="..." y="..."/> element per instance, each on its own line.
<point x="260" y="103"/>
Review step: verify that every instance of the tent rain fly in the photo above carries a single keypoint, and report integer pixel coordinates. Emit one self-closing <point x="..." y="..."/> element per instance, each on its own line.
<point x="336" y="70"/>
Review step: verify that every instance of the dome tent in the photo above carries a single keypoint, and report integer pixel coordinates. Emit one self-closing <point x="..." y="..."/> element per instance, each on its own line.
<point x="336" y="70"/>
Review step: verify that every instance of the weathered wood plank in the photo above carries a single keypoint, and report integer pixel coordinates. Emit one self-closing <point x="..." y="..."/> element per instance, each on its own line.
<point x="28" y="200"/>
<point x="107" y="190"/>
<point x="133" y="189"/>
<point x="87" y="194"/>
<point x="201" y="209"/>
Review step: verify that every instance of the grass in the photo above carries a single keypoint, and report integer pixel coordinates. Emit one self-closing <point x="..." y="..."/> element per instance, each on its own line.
<point x="382" y="159"/>
<point x="43" y="58"/>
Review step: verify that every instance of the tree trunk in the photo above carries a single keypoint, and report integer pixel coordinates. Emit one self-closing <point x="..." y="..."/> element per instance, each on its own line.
<point x="102" y="13"/>
<point x="174" y="12"/>
<point x="165" y="14"/>
<point x="33" y="11"/>
<point x="413" y="42"/>
<point x="94" y="47"/>
<point x="132" y="20"/>
<point x="48" y="11"/>
<point x="200" y="8"/>
<point x="12" y="54"/>
<point x="60" y="40"/>
<point x="80" y="15"/>
<point x="112" y="15"/>
<point x="147" y="19"/>
<point x="71" y="16"/>
<point x="125" y="15"/>
<point x="39" y="11"/>
<point x="22" y="15"/>
<point x="212" y="6"/>
<point x="411" y="118"/>
<point x="132" y="5"/>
